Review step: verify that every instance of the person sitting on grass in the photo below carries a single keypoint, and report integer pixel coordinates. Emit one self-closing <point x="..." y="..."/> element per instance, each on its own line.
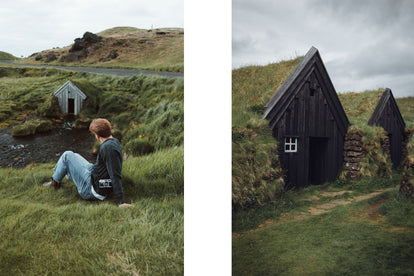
<point x="94" y="181"/>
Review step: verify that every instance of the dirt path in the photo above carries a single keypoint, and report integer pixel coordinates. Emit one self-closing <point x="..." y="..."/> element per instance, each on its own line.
<point x="371" y="212"/>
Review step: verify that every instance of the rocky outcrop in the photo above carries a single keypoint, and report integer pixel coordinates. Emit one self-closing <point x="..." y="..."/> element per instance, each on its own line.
<point x="83" y="43"/>
<point x="81" y="48"/>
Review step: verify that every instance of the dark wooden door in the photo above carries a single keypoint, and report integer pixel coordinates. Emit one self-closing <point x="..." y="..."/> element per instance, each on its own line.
<point x="318" y="160"/>
<point x="71" y="106"/>
<point x="395" y="148"/>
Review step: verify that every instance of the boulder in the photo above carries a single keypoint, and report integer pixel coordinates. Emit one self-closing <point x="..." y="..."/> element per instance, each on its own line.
<point x="84" y="42"/>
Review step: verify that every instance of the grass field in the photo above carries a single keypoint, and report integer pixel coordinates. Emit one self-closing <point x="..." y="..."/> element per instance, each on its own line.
<point x="49" y="232"/>
<point x="368" y="237"/>
<point x="45" y="232"/>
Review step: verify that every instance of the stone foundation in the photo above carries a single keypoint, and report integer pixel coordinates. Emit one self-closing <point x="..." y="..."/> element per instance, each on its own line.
<point x="353" y="152"/>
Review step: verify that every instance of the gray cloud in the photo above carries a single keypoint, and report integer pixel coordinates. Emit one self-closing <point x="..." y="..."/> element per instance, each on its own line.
<point x="364" y="44"/>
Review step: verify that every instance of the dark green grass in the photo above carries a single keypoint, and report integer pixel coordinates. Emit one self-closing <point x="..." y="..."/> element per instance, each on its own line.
<point x="54" y="232"/>
<point x="336" y="243"/>
<point x="150" y="106"/>
<point x="294" y="200"/>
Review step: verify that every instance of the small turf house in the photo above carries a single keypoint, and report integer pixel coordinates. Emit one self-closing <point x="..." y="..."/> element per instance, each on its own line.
<point x="388" y="116"/>
<point x="310" y="124"/>
<point x="70" y="98"/>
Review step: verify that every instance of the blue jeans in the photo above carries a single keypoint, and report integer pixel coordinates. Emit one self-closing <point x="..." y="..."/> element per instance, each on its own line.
<point x="78" y="169"/>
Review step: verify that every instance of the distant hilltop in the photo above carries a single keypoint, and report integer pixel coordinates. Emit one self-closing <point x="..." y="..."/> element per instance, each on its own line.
<point x="6" y="56"/>
<point x="121" y="47"/>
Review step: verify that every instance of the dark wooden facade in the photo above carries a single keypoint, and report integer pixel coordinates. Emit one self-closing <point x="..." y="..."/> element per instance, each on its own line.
<point x="306" y="110"/>
<point x="388" y="116"/>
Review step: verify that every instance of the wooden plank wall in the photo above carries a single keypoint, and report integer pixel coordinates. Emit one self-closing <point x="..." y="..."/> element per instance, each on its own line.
<point x="65" y="95"/>
<point x="388" y="122"/>
<point x="309" y="116"/>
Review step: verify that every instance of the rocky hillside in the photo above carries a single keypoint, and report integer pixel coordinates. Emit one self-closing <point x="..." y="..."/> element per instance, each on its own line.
<point x="121" y="47"/>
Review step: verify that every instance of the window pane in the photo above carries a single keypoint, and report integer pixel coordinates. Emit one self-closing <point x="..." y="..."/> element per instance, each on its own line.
<point x="287" y="147"/>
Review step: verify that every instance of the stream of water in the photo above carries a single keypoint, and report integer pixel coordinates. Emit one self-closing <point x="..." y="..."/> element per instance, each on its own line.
<point x="18" y="152"/>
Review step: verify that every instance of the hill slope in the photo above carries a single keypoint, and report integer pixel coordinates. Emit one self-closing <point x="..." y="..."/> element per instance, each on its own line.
<point x="121" y="47"/>
<point x="6" y="56"/>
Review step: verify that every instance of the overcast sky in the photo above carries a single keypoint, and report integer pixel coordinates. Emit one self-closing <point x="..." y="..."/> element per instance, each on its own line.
<point x="29" y="26"/>
<point x="365" y="45"/>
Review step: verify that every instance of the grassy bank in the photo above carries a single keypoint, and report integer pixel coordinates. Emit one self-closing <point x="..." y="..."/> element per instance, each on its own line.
<point x="256" y="172"/>
<point x="141" y="108"/>
<point x="369" y="237"/>
<point x="44" y="231"/>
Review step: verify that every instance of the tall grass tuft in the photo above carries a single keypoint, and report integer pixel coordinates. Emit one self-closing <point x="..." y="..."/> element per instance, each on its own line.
<point x="160" y="127"/>
<point x="155" y="175"/>
<point x="256" y="171"/>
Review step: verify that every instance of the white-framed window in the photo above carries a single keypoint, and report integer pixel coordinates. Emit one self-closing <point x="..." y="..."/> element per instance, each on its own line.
<point x="291" y="144"/>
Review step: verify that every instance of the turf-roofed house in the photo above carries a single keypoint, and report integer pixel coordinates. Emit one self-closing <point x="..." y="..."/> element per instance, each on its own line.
<point x="70" y="98"/>
<point x="307" y="118"/>
<point x="388" y="116"/>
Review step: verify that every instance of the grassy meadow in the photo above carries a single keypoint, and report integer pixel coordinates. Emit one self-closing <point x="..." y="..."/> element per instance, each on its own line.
<point x="366" y="225"/>
<point x="47" y="231"/>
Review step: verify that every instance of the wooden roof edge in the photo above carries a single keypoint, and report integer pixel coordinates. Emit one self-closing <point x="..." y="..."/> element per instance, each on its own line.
<point x="380" y="107"/>
<point x="289" y="81"/>
<point x="337" y="109"/>
<point x="69" y="83"/>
